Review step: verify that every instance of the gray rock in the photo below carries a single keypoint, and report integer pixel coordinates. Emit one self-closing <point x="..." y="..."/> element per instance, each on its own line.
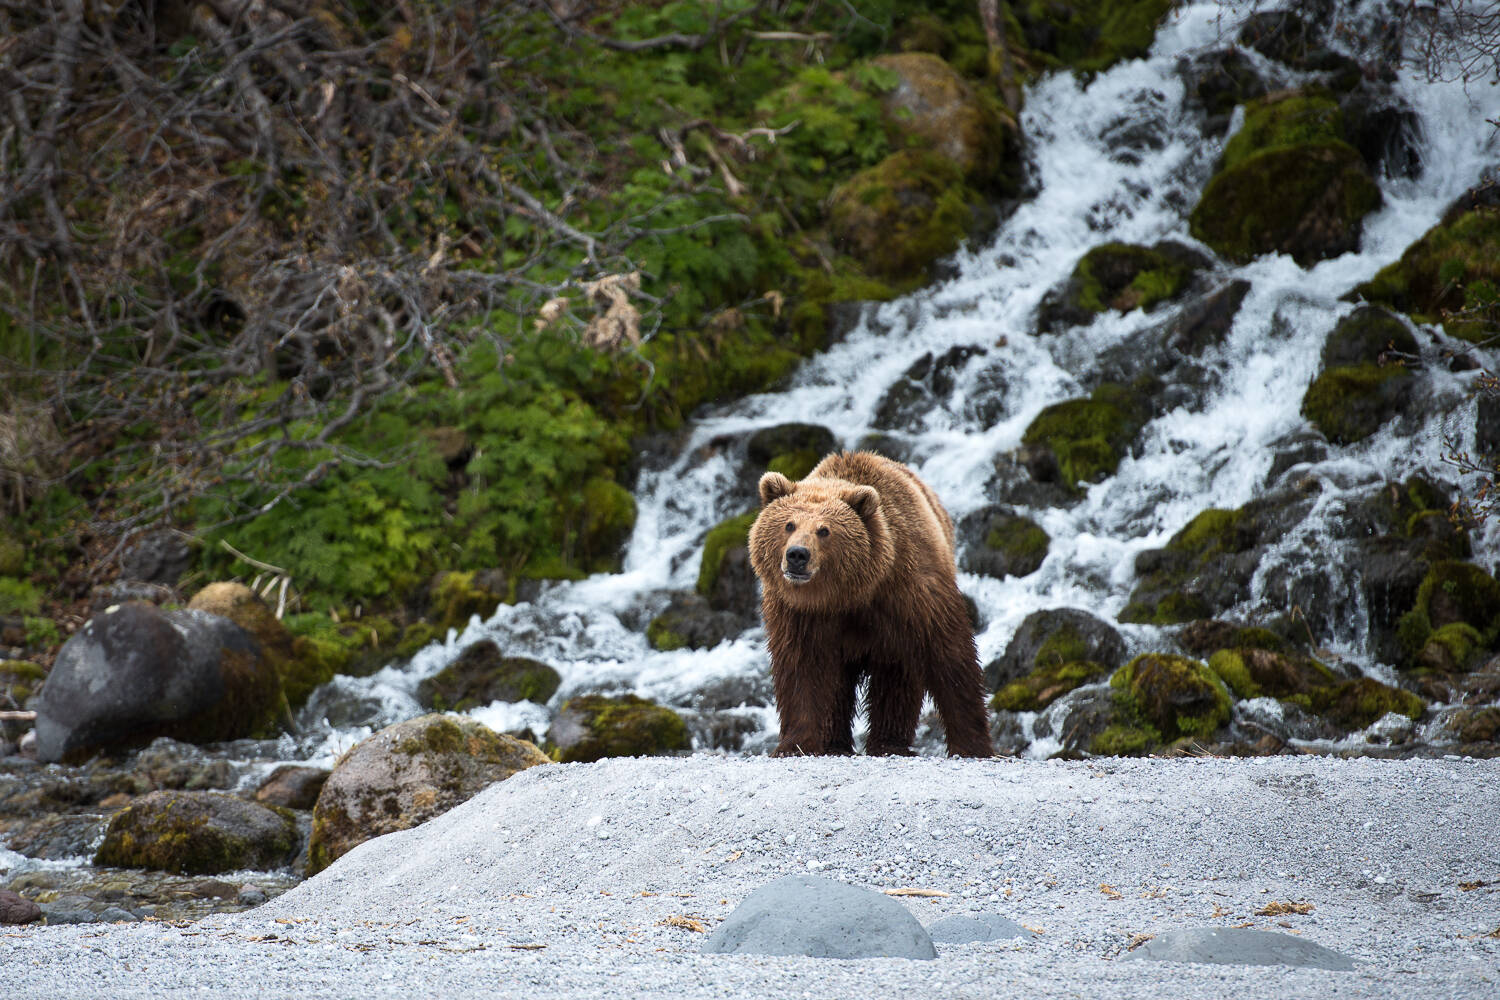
<point x="821" y="918"/>
<point x="116" y="915"/>
<point x="17" y="909"/>
<point x="980" y="927"/>
<point x="1239" y="946"/>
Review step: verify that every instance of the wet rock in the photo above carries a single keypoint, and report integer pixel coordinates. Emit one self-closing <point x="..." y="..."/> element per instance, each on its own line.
<point x="1044" y="685"/>
<point x="57" y="838"/>
<point x="1254" y="673"/>
<point x="169" y="764"/>
<point x="1209" y="635"/>
<point x="998" y="542"/>
<point x="17" y="909"/>
<point x="691" y="622"/>
<point x="1284" y="36"/>
<point x="926" y="384"/>
<point x="1173" y="695"/>
<point x="592" y="727"/>
<point x="902" y="214"/>
<point x="1085" y="439"/>
<point x="482" y="674"/>
<point x="728" y="731"/>
<point x="136" y="672"/>
<point x="1238" y="946"/>
<point x="750" y="690"/>
<point x="1454" y="619"/>
<point x="1122" y="277"/>
<point x="200" y="832"/>
<point x="1385" y="129"/>
<point x="940" y="111"/>
<point x="820" y="918"/>
<point x="1217" y="81"/>
<point x="159" y="556"/>
<point x="725" y="577"/>
<point x="405" y="775"/>
<point x="292" y="786"/>
<point x="1053" y="638"/>
<point x="1206" y="321"/>
<point x="790" y="449"/>
<point x="1289" y="184"/>
<point x="250" y="895"/>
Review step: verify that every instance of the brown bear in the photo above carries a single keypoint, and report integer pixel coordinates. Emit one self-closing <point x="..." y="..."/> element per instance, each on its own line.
<point x="857" y="577"/>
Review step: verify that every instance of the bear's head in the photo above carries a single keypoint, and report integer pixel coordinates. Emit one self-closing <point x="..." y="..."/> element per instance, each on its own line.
<point x="820" y="544"/>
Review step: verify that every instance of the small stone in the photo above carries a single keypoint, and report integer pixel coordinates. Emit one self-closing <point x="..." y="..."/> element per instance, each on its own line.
<point x="116" y="915"/>
<point x="980" y="927"/>
<point x="1239" y="946"/>
<point x="250" y="895"/>
<point x="17" y="909"/>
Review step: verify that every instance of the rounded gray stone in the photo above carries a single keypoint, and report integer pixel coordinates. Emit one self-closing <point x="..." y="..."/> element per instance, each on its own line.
<point x="821" y="918"/>
<point x="1239" y="946"/>
<point x="980" y="927"/>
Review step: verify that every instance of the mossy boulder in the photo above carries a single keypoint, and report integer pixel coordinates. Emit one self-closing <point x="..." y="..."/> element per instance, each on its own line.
<point x="1044" y="685"/>
<point x="453" y="596"/>
<point x="1122" y="277"/>
<point x="1351" y="402"/>
<point x="1355" y="704"/>
<point x="790" y="449"/>
<point x="1175" y="696"/>
<point x="201" y="833"/>
<point x="725" y="577"/>
<point x="1206" y="567"/>
<point x="1262" y="673"/>
<point x="1087" y="438"/>
<point x="482" y="674"/>
<point x="1054" y="637"/>
<point x="1208" y="635"/>
<point x="935" y="108"/>
<point x="1288" y="183"/>
<point x="592" y="727"/>
<point x="1369" y="334"/>
<point x="302" y="668"/>
<point x="1476" y="725"/>
<point x="135" y="672"/>
<point x="604" y="524"/>
<point x="905" y="212"/>
<point x="999" y="542"/>
<point x="1456" y="615"/>
<point x="405" y="775"/>
<point x="691" y="622"/>
<point x="1451" y="275"/>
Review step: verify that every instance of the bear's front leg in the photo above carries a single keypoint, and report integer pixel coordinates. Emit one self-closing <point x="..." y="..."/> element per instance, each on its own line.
<point x="895" y="704"/>
<point x="815" y="699"/>
<point x="956" y="683"/>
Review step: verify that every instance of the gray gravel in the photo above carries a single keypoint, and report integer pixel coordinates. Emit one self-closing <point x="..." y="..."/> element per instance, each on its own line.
<point x="594" y="880"/>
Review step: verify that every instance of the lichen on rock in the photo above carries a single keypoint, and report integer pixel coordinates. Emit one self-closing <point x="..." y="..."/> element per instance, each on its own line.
<point x="200" y="832"/>
<point x="592" y="727"/>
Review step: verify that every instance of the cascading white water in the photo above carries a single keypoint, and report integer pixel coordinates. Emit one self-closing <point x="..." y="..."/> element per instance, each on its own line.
<point x="1189" y="459"/>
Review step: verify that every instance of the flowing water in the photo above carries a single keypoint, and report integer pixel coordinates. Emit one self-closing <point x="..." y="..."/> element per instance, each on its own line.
<point x="1215" y="449"/>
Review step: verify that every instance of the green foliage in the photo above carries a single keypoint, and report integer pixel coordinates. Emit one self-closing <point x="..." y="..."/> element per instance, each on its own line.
<point x="838" y="123"/>
<point x="19" y="597"/>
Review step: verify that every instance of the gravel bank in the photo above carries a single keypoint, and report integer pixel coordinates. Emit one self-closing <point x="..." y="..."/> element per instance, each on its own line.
<point x="590" y="880"/>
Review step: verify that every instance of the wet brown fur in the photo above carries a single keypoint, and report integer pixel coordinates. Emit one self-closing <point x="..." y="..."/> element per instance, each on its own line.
<point x="882" y="606"/>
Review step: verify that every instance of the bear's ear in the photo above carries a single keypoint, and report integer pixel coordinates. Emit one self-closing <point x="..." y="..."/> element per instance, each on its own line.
<point x="864" y="500"/>
<point x="774" y="486"/>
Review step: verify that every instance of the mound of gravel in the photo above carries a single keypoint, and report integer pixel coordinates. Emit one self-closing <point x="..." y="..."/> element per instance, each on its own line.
<point x="607" y="879"/>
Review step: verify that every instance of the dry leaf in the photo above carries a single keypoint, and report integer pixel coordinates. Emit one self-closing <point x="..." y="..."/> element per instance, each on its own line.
<point x="1110" y="891"/>
<point x="1280" y="909"/>
<point x="925" y="893"/>
<point x="686" y="923"/>
<point x="1138" y="940"/>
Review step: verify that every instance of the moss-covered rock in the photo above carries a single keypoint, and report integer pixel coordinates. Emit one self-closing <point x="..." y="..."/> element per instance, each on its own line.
<point x="1208" y="635"/>
<point x="722" y="540"/>
<point x="1257" y="673"/>
<point x="199" y="832"/>
<point x="1122" y="277"/>
<point x="1351" y="402"/>
<point x="691" y="622"/>
<point x="905" y="212"/>
<point x="482" y="674"/>
<point x="405" y="775"/>
<point x="1456" y="614"/>
<point x="592" y="727"/>
<point x="1088" y="437"/>
<point x="999" y="542"/>
<point x="936" y="109"/>
<point x="1368" y="334"/>
<point x="1476" y="725"/>
<point x="1288" y="183"/>
<point x="1045" y="685"/>
<point x="1355" y="704"/>
<point x="453" y="596"/>
<point x="1451" y="275"/>
<point x="605" y="521"/>
<point x="302" y="667"/>
<point x="1176" y="696"/>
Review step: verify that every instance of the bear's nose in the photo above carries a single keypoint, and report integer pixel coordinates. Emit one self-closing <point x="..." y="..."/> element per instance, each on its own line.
<point x="796" y="558"/>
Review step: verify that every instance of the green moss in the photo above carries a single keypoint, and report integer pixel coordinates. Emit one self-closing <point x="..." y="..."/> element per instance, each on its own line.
<point x="899" y="216"/>
<point x="195" y="833"/>
<point x="1351" y="402"/>
<point x="1449" y="649"/>
<point x="1089" y="436"/>
<point x="1452" y="593"/>
<point x="608" y="516"/>
<point x="794" y="465"/>
<point x="627" y="726"/>
<point x="19" y="680"/>
<point x="12" y="556"/>
<point x="1253" y="673"/>
<point x="1125" y="276"/>
<point x="1230" y="668"/>
<point x="1177" y="696"/>
<point x="1173" y="609"/>
<point x="1121" y="740"/>
<point x="1266" y="202"/>
<point x="722" y="537"/>
<point x="1355" y="704"/>
<point x="660" y="635"/>
<point x="456" y="598"/>
<point x="1282" y="121"/>
<point x="1089" y="37"/>
<point x="1447" y="276"/>
<point x="1020" y="539"/>
<point x="440" y="735"/>
<point x="19" y="597"/>
<point x="1045" y="685"/>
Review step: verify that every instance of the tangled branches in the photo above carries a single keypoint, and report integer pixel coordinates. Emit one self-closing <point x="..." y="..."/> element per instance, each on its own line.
<point x="222" y="218"/>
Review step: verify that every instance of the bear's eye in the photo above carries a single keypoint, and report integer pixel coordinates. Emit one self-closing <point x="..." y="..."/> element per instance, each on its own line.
<point x="822" y="532"/>
<point x="791" y="526"/>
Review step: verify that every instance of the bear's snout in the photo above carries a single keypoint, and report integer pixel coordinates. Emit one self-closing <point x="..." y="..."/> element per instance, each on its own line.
<point x="795" y="568"/>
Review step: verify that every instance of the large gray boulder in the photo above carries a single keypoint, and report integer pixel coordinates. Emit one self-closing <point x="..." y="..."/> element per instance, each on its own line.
<point x="135" y="672"/>
<point x="821" y="918"/>
<point x="1239" y="946"/>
